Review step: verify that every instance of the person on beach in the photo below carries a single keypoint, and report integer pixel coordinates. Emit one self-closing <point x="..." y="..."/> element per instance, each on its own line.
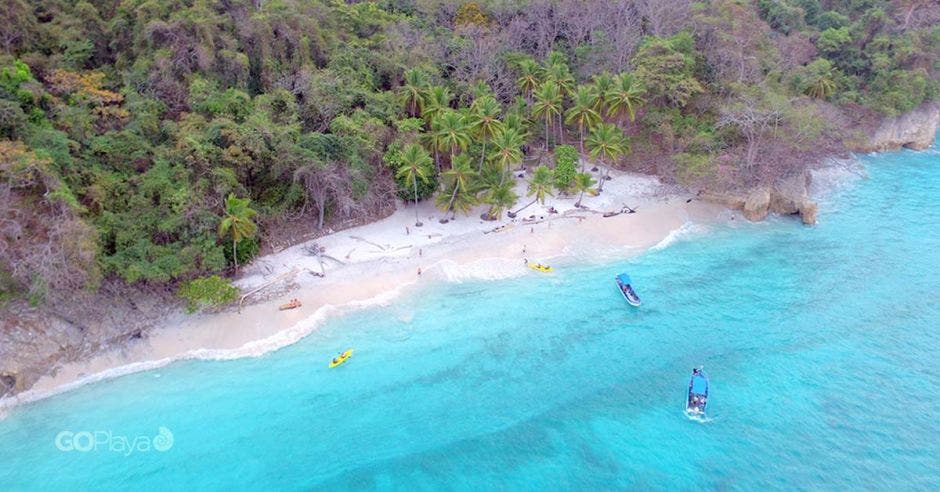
<point x="419" y="271"/>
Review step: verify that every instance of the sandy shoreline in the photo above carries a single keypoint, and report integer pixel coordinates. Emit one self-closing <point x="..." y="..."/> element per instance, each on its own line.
<point x="389" y="253"/>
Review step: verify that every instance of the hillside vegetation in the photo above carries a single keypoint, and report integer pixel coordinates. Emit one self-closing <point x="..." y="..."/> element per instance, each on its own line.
<point x="150" y="143"/>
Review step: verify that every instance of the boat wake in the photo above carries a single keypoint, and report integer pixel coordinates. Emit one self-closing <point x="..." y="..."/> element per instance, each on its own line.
<point x="698" y="417"/>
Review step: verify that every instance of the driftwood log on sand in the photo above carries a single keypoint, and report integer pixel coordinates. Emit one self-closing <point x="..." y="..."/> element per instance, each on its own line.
<point x="291" y="273"/>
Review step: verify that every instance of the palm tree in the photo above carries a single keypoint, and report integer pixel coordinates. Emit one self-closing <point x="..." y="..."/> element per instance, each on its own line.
<point x="453" y="132"/>
<point x="607" y="143"/>
<point x="530" y="76"/>
<point x="540" y="186"/>
<point x="547" y="104"/>
<point x="433" y="139"/>
<point x="625" y="96"/>
<point x="412" y="91"/>
<point x="484" y="121"/>
<point x="436" y="101"/>
<point x="507" y="148"/>
<point x="499" y="197"/>
<point x="821" y="88"/>
<point x="583" y="182"/>
<point x="479" y="89"/>
<point x="237" y="222"/>
<point x="516" y="121"/>
<point x="582" y="111"/>
<point x="459" y="179"/>
<point x="415" y="164"/>
<point x="561" y="75"/>
<point x="555" y="57"/>
<point x="601" y="85"/>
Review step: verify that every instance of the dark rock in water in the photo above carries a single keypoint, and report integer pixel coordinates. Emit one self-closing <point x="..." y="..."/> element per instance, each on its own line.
<point x="594" y="169"/>
<point x="444" y="221"/>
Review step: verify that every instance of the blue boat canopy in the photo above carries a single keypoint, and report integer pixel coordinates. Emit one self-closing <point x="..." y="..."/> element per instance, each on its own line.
<point x="699" y="384"/>
<point x="624" y="278"/>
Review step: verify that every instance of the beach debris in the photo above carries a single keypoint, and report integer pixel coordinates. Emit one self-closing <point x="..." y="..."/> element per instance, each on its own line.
<point x="293" y="304"/>
<point x="623" y="210"/>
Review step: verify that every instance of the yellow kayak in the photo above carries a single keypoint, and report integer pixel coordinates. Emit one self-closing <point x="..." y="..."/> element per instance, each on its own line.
<point x="339" y="359"/>
<point x="540" y="267"/>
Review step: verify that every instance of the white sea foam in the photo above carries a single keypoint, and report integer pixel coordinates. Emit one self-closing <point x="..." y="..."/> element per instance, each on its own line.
<point x="482" y="269"/>
<point x="687" y="229"/>
<point x="836" y="174"/>
<point x="255" y="348"/>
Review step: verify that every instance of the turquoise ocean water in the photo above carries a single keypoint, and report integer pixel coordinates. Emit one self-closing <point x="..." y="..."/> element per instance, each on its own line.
<point x="821" y="344"/>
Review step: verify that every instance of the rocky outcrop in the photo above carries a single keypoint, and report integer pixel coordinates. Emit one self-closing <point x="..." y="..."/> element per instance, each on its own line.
<point x="789" y="196"/>
<point x="35" y="341"/>
<point x="915" y="130"/>
<point x="757" y="204"/>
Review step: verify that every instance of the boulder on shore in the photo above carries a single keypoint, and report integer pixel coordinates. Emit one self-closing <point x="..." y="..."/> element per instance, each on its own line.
<point x="757" y="204"/>
<point x="791" y="196"/>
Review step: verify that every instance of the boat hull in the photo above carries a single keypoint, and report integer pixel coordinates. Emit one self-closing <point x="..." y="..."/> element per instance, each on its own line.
<point x="697" y="399"/>
<point x="628" y="293"/>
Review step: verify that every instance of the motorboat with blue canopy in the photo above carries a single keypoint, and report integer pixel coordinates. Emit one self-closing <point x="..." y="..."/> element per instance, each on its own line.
<point x="626" y="290"/>
<point x="698" y="393"/>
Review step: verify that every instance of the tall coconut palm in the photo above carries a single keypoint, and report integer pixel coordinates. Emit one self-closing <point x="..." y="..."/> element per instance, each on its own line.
<point x="436" y="101"/>
<point x="625" y="96"/>
<point x="548" y="105"/>
<point x="582" y="111"/>
<point x="583" y="182"/>
<point x="479" y="89"/>
<point x="518" y="122"/>
<point x="454" y="132"/>
<point x="412" y="91"/>
<point x="507" y="148"/>
<point x="433" y="139"/>
<point x="458" y="179"/>
<point x="499" y="197"/>
<point x="415" y="164"/>
<point x="601" y="85"/>
<point x="530" y="76"/>
<point x="540" y="186"/>
<point x="484" y="121"/>
<point x="607" y="143"/>
<point x="561" y="75"/>
<point x="237" y="222"/>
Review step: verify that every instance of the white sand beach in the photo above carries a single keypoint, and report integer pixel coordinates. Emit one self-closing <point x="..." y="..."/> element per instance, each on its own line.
<point x="381" y="259"/>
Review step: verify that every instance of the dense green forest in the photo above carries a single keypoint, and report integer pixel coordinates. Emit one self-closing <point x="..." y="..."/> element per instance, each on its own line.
<point x="153" y="142"/>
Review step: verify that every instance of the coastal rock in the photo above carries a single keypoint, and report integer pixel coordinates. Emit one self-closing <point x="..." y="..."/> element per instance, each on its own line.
<point x="791" y="196"/>
<point x="728" y="199"/>
<point x="915" y="130"/>
<point x="757" y="204"/>
<point x="808" y="210"/>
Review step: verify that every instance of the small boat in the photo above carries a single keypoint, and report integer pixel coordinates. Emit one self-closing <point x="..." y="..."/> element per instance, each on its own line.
<point x="339" y="359"/>
<point x="698" y="393"/>
<point x="293" y="304"/>
<point x="623" y="283"/>
<point x="539" y="267"/>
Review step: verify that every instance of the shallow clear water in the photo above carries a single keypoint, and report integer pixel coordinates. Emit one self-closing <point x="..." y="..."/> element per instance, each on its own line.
<point x="821" y="344"/>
